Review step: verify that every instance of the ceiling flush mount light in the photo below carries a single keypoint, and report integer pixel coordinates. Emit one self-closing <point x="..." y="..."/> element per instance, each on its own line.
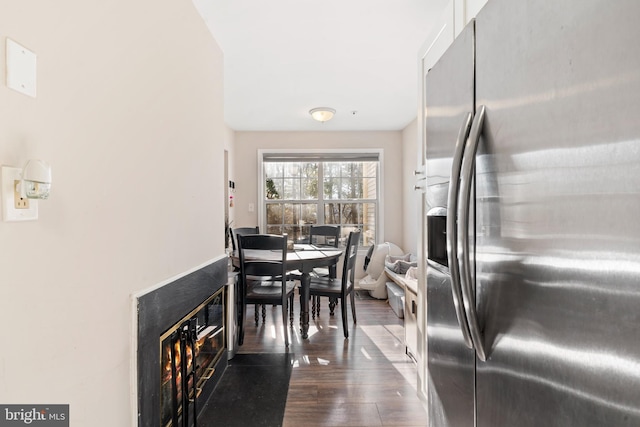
<point x="322" y="114"/>
<point x="22" y="187"/>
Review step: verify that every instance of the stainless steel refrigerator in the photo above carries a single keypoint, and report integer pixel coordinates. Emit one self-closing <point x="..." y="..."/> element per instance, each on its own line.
<point x="533" y="223"/>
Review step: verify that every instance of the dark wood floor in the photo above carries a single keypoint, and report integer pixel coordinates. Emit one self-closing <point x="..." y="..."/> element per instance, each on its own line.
<point x="367" y="380"/>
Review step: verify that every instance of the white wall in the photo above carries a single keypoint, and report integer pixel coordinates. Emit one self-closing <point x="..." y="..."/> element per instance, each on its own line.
<point x="410" y="162"/>
<point x="129" y="113"/>
<point x="246" y="163"/>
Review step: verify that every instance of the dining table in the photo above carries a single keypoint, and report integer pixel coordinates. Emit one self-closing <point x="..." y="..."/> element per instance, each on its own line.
<point x="303" y="258"/>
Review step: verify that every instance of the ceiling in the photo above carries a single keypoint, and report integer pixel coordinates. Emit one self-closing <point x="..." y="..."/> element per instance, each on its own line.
<point x="285" y="57"/>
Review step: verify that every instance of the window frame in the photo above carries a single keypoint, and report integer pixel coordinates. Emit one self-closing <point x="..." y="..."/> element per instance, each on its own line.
<point x="324" y="155"/>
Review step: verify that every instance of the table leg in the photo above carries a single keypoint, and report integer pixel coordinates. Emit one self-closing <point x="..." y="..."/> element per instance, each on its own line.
<point x="305" y="282"/>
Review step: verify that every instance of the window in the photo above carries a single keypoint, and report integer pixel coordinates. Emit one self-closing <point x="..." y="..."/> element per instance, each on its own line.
<point x="301" y="189"/>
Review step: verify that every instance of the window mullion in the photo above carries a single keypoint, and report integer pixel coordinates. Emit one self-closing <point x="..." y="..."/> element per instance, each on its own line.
<point x="320" y="218"/>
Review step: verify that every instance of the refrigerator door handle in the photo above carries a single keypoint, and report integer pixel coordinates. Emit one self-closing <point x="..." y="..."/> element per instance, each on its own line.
<point x="452" y="217"/>
<point x="466" y="179"/>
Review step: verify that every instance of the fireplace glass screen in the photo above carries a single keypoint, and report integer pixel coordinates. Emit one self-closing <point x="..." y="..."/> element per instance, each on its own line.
<point x="189" y="351"/>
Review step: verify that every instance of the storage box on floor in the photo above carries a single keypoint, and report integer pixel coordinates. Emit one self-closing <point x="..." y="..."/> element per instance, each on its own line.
<point x="396" y="298"/>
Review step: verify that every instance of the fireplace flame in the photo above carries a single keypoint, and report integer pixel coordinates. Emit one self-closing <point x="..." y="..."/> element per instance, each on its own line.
<point x="177" y="360"/>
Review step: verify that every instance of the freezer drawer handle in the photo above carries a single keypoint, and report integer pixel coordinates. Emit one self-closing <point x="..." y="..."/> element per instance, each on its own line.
<point x="452" y="203"/>
<point x="466" y="179"/>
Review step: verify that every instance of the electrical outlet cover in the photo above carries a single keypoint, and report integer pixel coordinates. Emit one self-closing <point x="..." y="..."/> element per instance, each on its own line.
<point x="9" y="212"/>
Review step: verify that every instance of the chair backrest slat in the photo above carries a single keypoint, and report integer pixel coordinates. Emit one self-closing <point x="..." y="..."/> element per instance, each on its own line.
<point x="263" y="268"/>
<point x="350" y="256"/>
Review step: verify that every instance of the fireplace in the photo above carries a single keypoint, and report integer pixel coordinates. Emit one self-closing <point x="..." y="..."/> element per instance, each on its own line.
<point x="189" y="351"/>
<point x="173" y="319"/>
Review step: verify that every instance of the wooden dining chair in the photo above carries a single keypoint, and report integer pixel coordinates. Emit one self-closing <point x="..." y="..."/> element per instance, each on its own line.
<point x="235" y="232"/>
<point x="323" y="236"/>
<point x="265" y="281"/>
<point x="338" y="289"/>
<point x="320" y="236"/>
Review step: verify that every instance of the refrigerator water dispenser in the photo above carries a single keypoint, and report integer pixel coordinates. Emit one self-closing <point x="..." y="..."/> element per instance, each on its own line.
<point x="437" y="235"/>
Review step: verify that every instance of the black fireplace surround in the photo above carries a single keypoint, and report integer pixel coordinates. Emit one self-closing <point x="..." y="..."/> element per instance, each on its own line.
<point x="158" y="310"/>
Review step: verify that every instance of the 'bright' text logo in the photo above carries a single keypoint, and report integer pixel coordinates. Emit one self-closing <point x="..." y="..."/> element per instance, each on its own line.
<point x="38" y="415"/>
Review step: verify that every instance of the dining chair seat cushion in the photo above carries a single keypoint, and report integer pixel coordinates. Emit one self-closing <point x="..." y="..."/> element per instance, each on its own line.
<point x="326" y="285"/>
<point x="321" y="271"/>
<point x="266" y="289"/>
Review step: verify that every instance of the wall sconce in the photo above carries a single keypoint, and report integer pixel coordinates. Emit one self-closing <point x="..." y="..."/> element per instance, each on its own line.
<point x="22" y="187"/>
<point x="322" y="114"/>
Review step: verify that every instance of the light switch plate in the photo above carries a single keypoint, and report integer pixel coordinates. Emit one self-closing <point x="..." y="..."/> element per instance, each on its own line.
<point x="9" y="211"/>
<point x="21" y="69"/>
